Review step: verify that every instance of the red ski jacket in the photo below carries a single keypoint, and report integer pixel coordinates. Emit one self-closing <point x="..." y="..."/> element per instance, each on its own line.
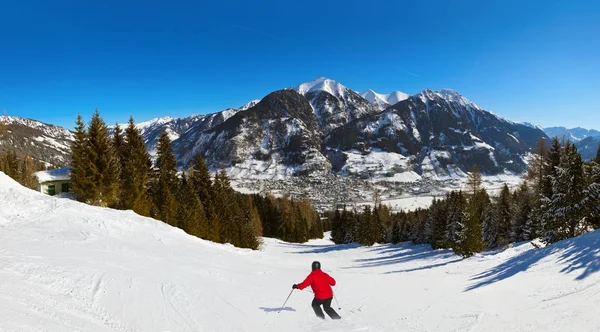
<point x="320" y="282"/>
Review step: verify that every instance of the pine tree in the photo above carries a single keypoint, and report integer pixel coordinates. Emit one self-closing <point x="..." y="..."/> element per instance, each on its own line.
<point x="553" y="161"/>
<point x="598" y="155"/>
<point x="521" y="227"/>
<point x="81" y="180"/>
<point x="591" y="201"/>
<point x="27" y="170"/>
<point x="564" y="213"/>
<point x="455" y="220"/>
<point x="436" y="224"/>
<point x="250" y="224"/>
<point x="118" y="144"/>
<point x="136" y="169"/>
<point x="165" y="181"/>
<point x="104" y="171"/>
<point x="366" y="227"/>
<point x="190" y="216"/>
<point x="503" y="218"/>
<point x="203" y="186"/>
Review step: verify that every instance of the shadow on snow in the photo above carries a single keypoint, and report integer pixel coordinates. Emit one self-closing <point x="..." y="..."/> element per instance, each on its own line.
<point x="577" y="254"/>
<point x="276" y="309"/>
<point x="320" y="248"/>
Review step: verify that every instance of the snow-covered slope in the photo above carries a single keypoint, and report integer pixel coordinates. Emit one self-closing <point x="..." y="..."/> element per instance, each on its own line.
<point x="383" y="101"/>
<point x="65" y="266"/>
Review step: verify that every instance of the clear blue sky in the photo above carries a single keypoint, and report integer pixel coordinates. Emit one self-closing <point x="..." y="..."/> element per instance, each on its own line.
<point x="536" y="61"/>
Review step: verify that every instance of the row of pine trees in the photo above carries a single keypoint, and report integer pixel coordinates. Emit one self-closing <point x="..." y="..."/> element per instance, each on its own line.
<point x="559" y="199"/>
<point x="118" y="172"/>
<point x="19" y="169"/>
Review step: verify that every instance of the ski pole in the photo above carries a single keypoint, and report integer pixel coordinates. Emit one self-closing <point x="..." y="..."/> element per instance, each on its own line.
<point x="285" y="301"/>
<point x="336" y="301"/>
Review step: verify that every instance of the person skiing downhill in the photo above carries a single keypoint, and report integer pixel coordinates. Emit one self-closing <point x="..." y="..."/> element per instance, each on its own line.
<point x="321" y="283"/>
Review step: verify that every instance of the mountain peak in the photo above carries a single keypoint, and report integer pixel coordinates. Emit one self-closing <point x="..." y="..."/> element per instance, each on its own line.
<point x="322" y="84"/>
<point x="382" y="101"/>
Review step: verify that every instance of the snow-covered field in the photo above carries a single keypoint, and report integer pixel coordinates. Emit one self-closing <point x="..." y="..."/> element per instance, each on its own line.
<point x="65" y="266"/>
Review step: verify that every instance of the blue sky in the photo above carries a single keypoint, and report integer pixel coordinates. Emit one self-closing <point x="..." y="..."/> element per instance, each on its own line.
<point x="536" y="61"/>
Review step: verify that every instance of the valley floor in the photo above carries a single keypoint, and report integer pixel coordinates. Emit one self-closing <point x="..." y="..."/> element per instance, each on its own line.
<point x="65" y="266"/>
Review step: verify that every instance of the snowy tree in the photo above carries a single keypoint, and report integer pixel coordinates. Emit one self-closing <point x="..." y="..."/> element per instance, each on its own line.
<point x="456" y="218"/>
<point x="436" y="224"/>
<point x="564" y="213"/>
<point x="521" y="227"/>
<point x="591" y="201"/>
<point x="497" y="226"/>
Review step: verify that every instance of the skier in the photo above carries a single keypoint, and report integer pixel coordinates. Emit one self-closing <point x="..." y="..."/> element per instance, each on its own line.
<point x="321" y="283"/>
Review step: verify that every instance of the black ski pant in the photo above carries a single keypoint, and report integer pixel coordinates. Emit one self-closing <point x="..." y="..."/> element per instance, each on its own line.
<point x="316" y="305"/>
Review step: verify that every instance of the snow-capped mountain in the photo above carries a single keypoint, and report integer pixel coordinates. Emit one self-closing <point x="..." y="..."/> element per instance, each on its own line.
<point x="573" y="134"/>
<point x="177" y="127"/>
<point x="588" y="147"/>
<point x="43" y="142"/>
<point x="277" y="138"/>
<point x="383" y="101"/>
<point x="322" y="125"/>
<point x="435" y="134"/>
<point x="334" y="104"/>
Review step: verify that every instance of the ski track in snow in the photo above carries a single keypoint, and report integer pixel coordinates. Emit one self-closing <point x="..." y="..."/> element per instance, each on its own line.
<point x="65" y="266"/>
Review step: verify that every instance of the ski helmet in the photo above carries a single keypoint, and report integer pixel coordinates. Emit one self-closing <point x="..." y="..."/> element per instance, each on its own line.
<point x="316" y="265"/>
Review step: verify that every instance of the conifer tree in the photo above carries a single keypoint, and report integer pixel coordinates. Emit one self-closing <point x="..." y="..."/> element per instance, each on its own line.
<point x="118" y="143"/>
<point x="165" y="181"/>
<point x="136" y="169"/>
<point x="591" y="201"/>
<point x="436" y="224"/>
<point x="190" y="215"/>
<point x="564" y="215"/>
<point x="598" y="155"/>
<point x="203" y="186"/>
<point x="522" y="228"/>
<point x="104" y="171"/>
<point x="455" y="220"/>
<point x="27" y="170"/>
<point x="81" y="180"/>
<point x="553" y="161"/>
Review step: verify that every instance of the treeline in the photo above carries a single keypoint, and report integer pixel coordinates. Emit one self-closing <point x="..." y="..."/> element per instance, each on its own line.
<point x="559" y="199"/>
<point x="20" y="169"/>
<point x="118" y="172"/>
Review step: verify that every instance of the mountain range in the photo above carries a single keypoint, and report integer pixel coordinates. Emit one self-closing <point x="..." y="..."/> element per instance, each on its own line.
<point x="322" y="127"/>
<point x="586" y="140"/>
<point x="43" y="142"/>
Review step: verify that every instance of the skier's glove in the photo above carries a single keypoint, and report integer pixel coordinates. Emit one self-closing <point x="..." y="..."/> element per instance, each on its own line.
<point x="295" y="286"/>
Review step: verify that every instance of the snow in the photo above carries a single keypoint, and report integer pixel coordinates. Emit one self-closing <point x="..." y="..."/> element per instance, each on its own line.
<point x="379" y="164"/>
<point x="66" y="266"/>
<point x="322" y="84"/>
<point x="382" y="101"/>
<point x="58" y="174"/>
